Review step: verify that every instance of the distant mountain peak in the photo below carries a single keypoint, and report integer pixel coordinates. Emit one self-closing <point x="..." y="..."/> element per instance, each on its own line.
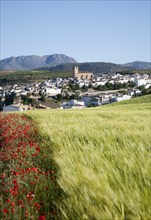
<point x="33" y="61"/>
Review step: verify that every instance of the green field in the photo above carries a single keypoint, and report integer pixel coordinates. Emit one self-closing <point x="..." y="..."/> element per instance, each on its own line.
<point x="103" y="157"/>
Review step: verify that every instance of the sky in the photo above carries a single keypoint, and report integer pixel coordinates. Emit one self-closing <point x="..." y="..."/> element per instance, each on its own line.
<point x="116" y="31"/>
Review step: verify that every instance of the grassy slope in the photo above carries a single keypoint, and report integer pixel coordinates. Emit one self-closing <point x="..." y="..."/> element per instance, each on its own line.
<point x="104" y="159"/>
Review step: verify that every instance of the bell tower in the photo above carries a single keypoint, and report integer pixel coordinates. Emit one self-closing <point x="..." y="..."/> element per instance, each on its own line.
<point x="75" y="71"/>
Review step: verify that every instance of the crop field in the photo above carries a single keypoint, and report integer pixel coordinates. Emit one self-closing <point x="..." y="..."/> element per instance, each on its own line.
<point x="98" y="161"/>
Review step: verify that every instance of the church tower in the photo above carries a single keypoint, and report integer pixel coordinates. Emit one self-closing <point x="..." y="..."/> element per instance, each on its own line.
<point x="75" y="71"/>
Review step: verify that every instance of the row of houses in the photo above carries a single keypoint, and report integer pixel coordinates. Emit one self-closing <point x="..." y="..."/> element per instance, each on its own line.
<point x="83" y="102"/>
<point x="98" y="100"/>
<point x="16" y="107"/>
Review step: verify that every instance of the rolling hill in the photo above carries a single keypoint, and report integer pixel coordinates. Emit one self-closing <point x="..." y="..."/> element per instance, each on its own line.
<point x="95" y="67"/>
<point x="138" y="65"/>
<point x="101" y="67"/>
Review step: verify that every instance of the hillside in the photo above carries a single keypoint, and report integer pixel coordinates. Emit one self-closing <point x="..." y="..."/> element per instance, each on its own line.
<point x="103" y="159"/>
<point x="138" y="65"/>
<point x="100" y="67"/>
<point x="95" y="67"/>
<point x="32" y="62"/>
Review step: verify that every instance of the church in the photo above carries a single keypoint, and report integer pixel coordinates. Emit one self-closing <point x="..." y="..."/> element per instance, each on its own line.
<point x="81" y="75"/>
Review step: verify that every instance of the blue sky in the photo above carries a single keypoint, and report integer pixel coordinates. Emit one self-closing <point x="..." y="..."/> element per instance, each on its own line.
<point x="92" y="31"/>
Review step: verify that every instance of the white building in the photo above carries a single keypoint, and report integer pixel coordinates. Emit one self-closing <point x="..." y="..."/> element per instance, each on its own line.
<point x="49" y="91"/>
<point x="73" y="104"/>
<point x="147" y="85"/>
<point x="10" y="108"/>
<point x="122" y="98"/>
<point x="139" y="81"/>
<point x="96" y="101"/>
<point x="105" y="99"/>
<point x="97" y="83"/>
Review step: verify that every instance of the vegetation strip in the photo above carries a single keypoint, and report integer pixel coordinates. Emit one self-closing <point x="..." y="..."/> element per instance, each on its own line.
<point x="28" y="175"/>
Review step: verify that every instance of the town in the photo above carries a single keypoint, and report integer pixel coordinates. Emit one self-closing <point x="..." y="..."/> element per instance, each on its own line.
<point x="83" y="89"/>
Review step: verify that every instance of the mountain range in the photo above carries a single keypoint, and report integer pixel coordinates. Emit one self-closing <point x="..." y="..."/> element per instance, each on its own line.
<point x="31" y="62"/>
<point x="138" y="65"/>
<point x="61" y="62"/>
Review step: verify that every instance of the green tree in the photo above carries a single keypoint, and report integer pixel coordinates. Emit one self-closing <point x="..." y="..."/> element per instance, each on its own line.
<point x="124" y="92"/>
<point x="109" y="85"/>
<point x="9" y="98"/>
<point x="59" y="97"/>
<point x="146" y="91"/>
<point x="77" y="94"/>
<point x="142" y="87"/>
<point x="1" y="104"/>
<point x="125" y="85"/>
<point x="43" y="98"/>
<point x="99" y="87"/>
<point x="84" y="88"/>
<point x="131" y="84"/>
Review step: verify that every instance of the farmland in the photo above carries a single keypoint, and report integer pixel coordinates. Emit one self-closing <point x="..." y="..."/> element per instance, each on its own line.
<point x="101" y="163"/>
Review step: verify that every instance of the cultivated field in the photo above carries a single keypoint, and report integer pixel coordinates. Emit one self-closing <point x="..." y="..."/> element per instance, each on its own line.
<point x="103" y="158"/>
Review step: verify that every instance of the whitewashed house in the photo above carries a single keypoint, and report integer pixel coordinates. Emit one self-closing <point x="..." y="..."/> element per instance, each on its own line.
<point x="131" y="92"/>
<point x="147" y="85"/>
<point x="49" y="91"/>
<point x="139" y="81"/>
<point x="104" y="99"/>
<point x="122" y="98"/>
<point x="10" y="108"/>
<point x="97" y="83"/>
<point x="73" y="104"/>
<point x="137" y="91"/>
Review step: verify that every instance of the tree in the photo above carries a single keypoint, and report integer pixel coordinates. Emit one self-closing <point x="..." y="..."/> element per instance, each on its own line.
<point x="124" y="92"/>
<point x="90" y="85"/>
<point x="125" y="85"/>
<point x="84" y="88"/>
<point x="146" y="91"/>
<point x="77" y="94"/>
<point x="100" y="87"/>
<point x="42" y="98"/>
<point x="142" y="87"/>
<point x="131" y="84"/>
<point x="117" y="85"/>
<point x="67" y="96"/>
<point x="9" y="98"/>
<point x="59" y="97"/>
<point x="1" y="104"/>
<point x="109" y="85"/>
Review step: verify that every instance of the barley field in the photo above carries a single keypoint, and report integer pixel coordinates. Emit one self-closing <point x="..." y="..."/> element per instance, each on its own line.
<point x="103" y="157"/>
